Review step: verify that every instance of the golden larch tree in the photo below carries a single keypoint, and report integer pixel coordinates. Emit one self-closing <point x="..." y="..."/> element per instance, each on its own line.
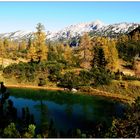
<point x="32" y="53"/>
<point x="85" y="51"/>
<point x="40" y="43"/>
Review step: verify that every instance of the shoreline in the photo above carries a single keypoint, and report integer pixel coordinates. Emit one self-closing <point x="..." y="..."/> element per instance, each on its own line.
<point x="35" y="87"/>
<point x="94" y="92"/>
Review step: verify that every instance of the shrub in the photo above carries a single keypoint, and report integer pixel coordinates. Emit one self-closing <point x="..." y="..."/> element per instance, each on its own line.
<point x="85" y="77"/>
<point x="54" y="71"/>
<point x="69" y="80"/>
<point x="42" y="82"/>
<point x="100" y="76"/>
<point x="11" y="132"/>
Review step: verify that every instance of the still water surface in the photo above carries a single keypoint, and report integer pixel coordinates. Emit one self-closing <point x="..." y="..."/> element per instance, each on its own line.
<point x="68" y="111"/>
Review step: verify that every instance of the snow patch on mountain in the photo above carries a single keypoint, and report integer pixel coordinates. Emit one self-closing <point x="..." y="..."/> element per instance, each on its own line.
<point x="96" y="28"/>
<point x="76" y="30"/>
<point x="18" y="35"/>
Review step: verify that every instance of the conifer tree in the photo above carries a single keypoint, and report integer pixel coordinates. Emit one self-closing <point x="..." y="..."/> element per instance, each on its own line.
<point x="123" y="38"/>
<point x="99" y="58"/>
<point x="40" y="43"/>
<point x="85" y="51"/>
<point x="32" y="53"/>
<point x="2" y="51"/>
<point x="68" y="54"/>
<point x="22" y="45"/>
<point x="52" y="52"/>
<point x="136" y="36"/>
<point x="112" y="57"/>
<point x="60" y="52"/>
<point x="6" y="44"/>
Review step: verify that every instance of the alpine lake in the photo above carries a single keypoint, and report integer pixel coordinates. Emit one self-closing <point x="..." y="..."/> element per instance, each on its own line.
<point x="66" y="111"/>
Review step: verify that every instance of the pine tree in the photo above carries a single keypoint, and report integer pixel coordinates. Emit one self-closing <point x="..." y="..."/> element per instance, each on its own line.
<point x="52" y="52"/>
<point x="99" y="60"/>
<point x="136" y="36"/>
<point x="123" y="38"/>
<point x="105" y="53"/>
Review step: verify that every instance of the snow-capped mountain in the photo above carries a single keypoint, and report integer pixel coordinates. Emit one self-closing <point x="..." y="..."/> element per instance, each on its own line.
<point x="95" y="28"/>
<point x="116" y="29"/>
<point x="18" y="35"/>
<point x="76" y="30"/>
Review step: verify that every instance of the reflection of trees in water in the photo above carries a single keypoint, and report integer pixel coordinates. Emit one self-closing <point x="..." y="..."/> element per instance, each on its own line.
<point x="8" y="113"/>
<point x="69" y="110"/>
<point x="44" y="123"/>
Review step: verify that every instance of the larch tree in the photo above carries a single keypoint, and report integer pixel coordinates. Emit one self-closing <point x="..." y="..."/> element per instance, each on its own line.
<point x="22" y="45"/>
<point x="2" y="51"/>
<point x="32" y="53"/>
<point x="6" y="44"/>
<point x="40" y="43"/>
<point x="60" y="52"/>
<point x="112" y="57"/>
<point x="68" y="54"/>
<point x="85" y="51"/>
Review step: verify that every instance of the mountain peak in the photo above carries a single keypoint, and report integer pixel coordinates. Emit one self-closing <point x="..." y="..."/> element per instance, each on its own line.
<point x="96" y="27"/>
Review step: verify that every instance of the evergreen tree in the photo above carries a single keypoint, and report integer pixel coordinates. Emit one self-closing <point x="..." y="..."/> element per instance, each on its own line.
<point x="99" y="58"/>
<point x="136" y="36"/>
<point x="52" y="52"/>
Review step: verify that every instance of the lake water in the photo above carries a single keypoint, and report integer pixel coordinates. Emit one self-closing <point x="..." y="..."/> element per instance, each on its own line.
<point x="68" y="111"/>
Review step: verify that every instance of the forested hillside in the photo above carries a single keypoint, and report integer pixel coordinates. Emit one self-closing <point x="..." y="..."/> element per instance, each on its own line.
<point x="99" y="65"/>
<point x="51" y="61"/>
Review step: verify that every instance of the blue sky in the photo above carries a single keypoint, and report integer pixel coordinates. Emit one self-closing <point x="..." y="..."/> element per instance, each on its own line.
<point x="56" y="15"/>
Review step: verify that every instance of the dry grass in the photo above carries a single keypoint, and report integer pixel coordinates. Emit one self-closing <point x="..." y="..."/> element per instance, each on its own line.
<point x="6" y="62"/>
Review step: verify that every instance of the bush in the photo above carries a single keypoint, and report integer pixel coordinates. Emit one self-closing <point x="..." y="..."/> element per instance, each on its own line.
<point x="11" y="132"/>
<point x="85" y="77"/>
<point x="69" y="80"/>
<point x="54" y="71"/>
<point x="27" y="72"/>
<point x="100" y="76"/>
<point x="42" y="82"/>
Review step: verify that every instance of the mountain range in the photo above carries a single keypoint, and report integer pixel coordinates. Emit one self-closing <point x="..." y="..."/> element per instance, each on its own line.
<point x="94" y="28"/>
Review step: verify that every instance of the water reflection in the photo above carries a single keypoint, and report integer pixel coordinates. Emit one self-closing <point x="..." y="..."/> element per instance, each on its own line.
<point x="66" y="112"/>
